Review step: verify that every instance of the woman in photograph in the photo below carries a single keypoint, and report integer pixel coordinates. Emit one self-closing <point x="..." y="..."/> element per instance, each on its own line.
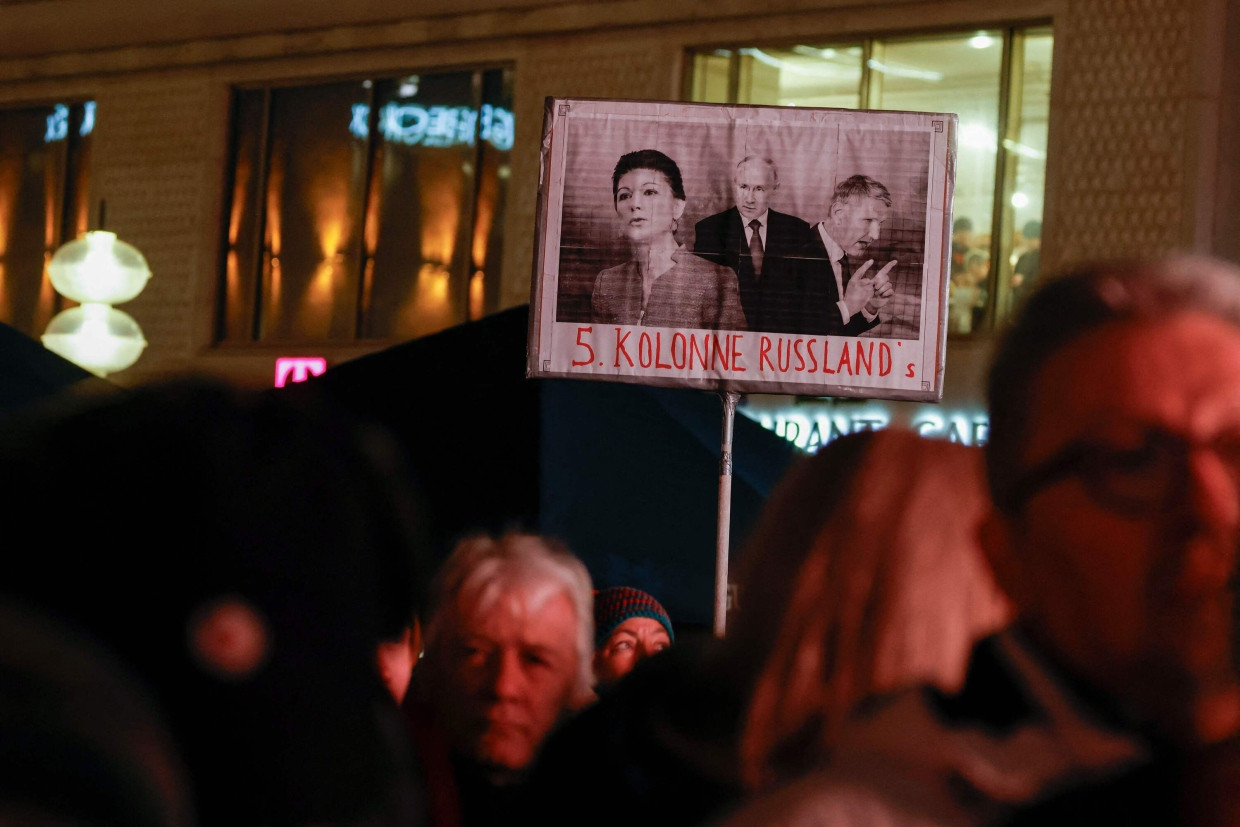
<point x="662" y="284"/>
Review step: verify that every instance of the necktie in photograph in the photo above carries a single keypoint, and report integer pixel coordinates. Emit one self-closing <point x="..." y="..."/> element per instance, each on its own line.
<point x="845" y="271"/>
<point x="755" y="247"/>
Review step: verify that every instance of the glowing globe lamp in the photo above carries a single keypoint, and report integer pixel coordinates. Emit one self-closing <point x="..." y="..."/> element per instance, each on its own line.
<point x="98" y="267"/>
<point x="95" y="336"/>
<point x="97" y="270"/>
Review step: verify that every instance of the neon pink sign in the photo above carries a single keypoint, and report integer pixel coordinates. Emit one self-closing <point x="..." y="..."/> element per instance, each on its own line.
<point x="291" y="369"/>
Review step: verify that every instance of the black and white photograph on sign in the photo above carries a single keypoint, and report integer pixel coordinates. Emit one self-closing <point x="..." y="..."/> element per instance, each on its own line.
<point x="744" y="248"/>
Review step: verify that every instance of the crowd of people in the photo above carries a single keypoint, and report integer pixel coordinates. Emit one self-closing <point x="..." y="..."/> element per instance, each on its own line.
<point x="968" y="294"/>
<point x="223" y="613"/>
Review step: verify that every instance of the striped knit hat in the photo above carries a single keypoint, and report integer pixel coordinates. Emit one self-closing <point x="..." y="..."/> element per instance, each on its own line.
<point x="615" y="605"/>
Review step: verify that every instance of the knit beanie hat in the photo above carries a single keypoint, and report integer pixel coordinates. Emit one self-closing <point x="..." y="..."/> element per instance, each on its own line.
<point x="615" y="605"/>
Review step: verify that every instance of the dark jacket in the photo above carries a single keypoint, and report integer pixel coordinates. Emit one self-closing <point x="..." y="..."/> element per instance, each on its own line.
<point x="821" y="296"/>
<point x="1017" y="731"/>
<point x="659" y="748"/>
<point x="771" y="301"/>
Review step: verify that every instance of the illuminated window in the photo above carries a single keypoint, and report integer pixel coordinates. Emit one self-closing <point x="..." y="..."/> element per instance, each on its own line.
<point x="367" y="209"/>
<point x="997" y="81"/>
<point x="44" y="190"/>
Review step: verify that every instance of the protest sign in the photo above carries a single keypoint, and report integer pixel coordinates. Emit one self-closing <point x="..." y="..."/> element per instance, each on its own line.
<point x="647" y="269"/>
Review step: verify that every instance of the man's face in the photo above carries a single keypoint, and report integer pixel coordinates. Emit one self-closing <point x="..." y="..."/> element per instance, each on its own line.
<point x="1126" y="567"/>
<point x="754" y="185"/>
<point x="508" y="672"/>
<point x="855" y="224"/>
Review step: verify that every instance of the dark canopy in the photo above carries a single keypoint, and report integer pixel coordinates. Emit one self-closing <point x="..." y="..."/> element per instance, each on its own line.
<point x="626" y="475"/>
<point x="29" y="372"/>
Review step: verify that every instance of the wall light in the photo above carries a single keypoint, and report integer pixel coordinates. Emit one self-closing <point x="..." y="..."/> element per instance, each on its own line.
<point x="98" y="270"/>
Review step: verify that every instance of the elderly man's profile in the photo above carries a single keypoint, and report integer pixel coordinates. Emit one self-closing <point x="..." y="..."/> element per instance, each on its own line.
<point x="836" y="299"/>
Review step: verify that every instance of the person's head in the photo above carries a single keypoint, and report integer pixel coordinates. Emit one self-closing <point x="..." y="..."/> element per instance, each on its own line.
<point x="1032" y="233"/>
<point x="508" y="648"/>
<point x="863" y="575"/>
<point x="754" y="181"/>
<point x="629" y="626"/>
<point x="648" y="194"/>
<point x="82" y="741"/>
<point x="1113" y="459"/>
<point x="977" y="265"/>
<point x="243" y="554"/>
<point x="962" y="231"/>
<point x="859" y="206"/>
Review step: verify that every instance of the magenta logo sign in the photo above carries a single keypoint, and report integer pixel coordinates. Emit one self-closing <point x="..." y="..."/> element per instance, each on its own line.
<point x="291" y="369"/>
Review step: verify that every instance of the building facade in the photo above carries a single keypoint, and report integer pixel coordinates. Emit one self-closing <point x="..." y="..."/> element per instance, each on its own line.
<point x="1142" y="100"/>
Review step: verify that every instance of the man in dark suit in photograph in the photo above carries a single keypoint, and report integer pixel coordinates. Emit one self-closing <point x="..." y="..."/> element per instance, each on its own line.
<point x="756" y="242"/>
<point x="836" y="300"/>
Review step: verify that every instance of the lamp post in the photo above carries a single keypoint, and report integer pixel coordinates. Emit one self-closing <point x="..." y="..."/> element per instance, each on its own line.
<point x="97" y="270"/>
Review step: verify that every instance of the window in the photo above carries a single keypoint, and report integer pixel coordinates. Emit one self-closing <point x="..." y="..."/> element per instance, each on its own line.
<point x="997" y="81"/>
<point x="44" y="190"/>
<point x="368" y="209"/>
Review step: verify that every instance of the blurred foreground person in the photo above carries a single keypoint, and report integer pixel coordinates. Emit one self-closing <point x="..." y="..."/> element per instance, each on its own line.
<point x="1114" y="460"/>
<point x="243" y="556"/>
<point x="81" y="741"/>
<point x="888" y="591"/>
<point x="862" y="575"/>
<point x="629" y="626"/>
<point x="508" y="647"/>
<point x="396" y="658"/>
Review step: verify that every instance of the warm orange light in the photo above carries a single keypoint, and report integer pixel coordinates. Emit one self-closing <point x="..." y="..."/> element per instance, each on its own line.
<point x="476" y="289"/>
<point x="275" y="181"/>
<point x="232" y="280"/>
<point x="51" y="196"/>
<point x="8" y="195"/>
<point x="328" y="195"/>
<point x="47" y="293"/>
<point x="433" y="286"/>
<point x="488" y="195"/>
<point x="241" y="184"/>
<point x="441" y="214"/>
<point x="81" y="220"/>
<point x="277" y="286"/>
<point x="330" y="230"/>
<point x="432" y="308"/>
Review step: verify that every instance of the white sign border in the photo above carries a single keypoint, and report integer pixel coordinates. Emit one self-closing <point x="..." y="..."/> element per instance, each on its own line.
<point x="554" y="347"/>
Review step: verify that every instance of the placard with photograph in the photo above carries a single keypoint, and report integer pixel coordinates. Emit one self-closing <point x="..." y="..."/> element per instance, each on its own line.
<point x="755" y="249"/>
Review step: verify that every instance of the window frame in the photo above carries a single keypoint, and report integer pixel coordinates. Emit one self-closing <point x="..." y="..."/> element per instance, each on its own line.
<point x="73" y="215"/>
<point x="1011" y="88"/>
<point x="358" y="262"/>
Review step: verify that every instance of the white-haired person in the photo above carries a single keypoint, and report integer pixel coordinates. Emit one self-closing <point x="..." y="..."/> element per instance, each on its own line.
<point x="509" y="643"/>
